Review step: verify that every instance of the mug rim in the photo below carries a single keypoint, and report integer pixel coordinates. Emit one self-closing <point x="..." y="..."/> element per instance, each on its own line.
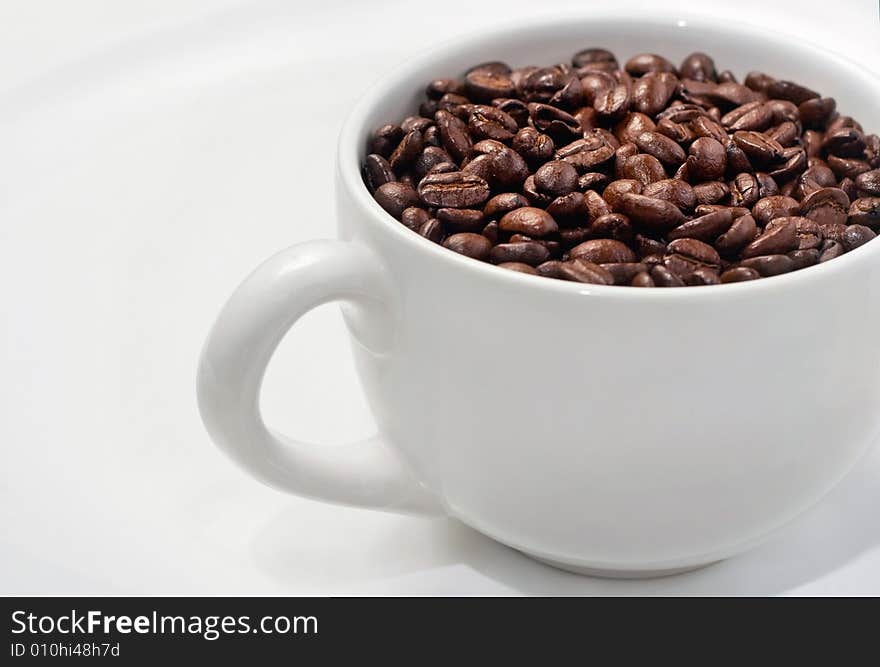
<point x="349" y="157"/>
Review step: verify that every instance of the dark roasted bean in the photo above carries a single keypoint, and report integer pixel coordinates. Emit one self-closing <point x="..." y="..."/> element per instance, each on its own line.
<point x="663" y="277"/>
<point x="556" y="178"/>
<point x="801" y="259"/>
<point x="642" y="279"/>
<point x="779" y="237"/>
<point x="385" y="139"/>
<point x="648" y="62"/>
<point x="699" y="67"/>
<point x="503" y="203"/>
<point x="524" y="252"/>
<point x="739" y="274"/>
<point x="624" y="272"/>
<point x="769" y="265"/>
<point x="620" y="187"/>
<point x="825" y="206"/>
<point x="711" y="192"/>
<point x="707" y="160"/>
<point x="454" y="135"/>
<point x="582" y="271"/>
<point x="856" y="235"/>
<point x="741" y="233"/>
<point x="395" y="197"/>
<point x="432" y="230"/>
<point x="755" y="116"/>
<point x="868" y="183"/>
<point x="865" y="211"/>
<point x="612" y="226"/>
<point x="569" y="209"/>
<point x="654" y="214"/>
<point x="530" y="221"/>
<point x="788" y="90"/>
<point x="672" y="190"/>
<point x="461" y="219"/>
<point x="519" y="267"/>
<point x="414" y="217"/>
<point x="603" y="251"/>
<point x="453" y="190"/>
<point x="592" y="180"/>
<point x="704" y="228"/>
<point x="661" y="147"/>
<point x="643" y="168"/>
<point x="776" y="206"/>
<point x="758" y="147"/>
<point x="475" y="246"/>
<point x="651" y="93"/>
<point x="848" y="167"/>
<point x="377" y="171"/>
<point x="591" y="56"/>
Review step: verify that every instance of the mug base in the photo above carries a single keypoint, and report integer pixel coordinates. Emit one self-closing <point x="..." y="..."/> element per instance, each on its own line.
<point x="616" y="574"/>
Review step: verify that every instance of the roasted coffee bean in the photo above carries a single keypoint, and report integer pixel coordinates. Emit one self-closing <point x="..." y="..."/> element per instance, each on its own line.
<point x="711" y="192"/>
<point x="787" y="134"/>
<point x="632" y="125"/>
<point x="848" y="167"/>
<point x="776" y="206"/>
<point x="739" y="274"/>
<point x="704" y="228"/>
<point x="648" y="62"/>
<point x="744" y="190"/>
<point x="519" y="267"/>
<point x="385" y="139"/>
<point x="453" y="190"/>
<point x="592" y="180"/>
<point x="707" y="160"/>
<point x="703" y="276"/>
<point x="530" y="221"/>
<point x="651" y="93"/>
<point x="830" y="250"/>
<point x="758" y="147"/>
<point x="643" y="168"/>
<point x="769" y="265"/>
<point x="699" y="67"/>
<point x="779" y="237"/>
<point x="525" y="252"/>
<point x="741" y="181"/>
<point x="414" y="217"/>
<point x="868" y="183"/>
<point x="432" y="230"/>
<point x="461" y="219"/>
<point x="581" y="271"/>
<point x="672" y="190"/>
<point x="801" y="259"/>
<point x="377" y="172"/>
<point x="755" y="116"/>
<point x="661" y="147"/>
<point x="663" y="277"/>
<point x="865" y="211"/>
<point x="740" y="234"/>
<point x="409" y="148"/>
<point x="614" y="226"/>
<point x="394" y="197"/>
<point x="556" y="178"/>
<point x="616" y="189"/>
<point x="569" y="209"/>
<point x="592" y="56"/>
<point x="654" y="214"/>
<point x="825" y="206"/>
<point x="856" y="235"/>
<point x="788" y="90"/>
<point x="475" y="246"/>
<point x="603" y="251"/>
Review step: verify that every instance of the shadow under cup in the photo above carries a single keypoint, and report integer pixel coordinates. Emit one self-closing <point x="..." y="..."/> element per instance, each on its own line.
<point x="610" y="429"/>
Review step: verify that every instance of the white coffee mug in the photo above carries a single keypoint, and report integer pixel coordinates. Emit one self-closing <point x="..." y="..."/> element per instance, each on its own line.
<point x="609" y="430"/>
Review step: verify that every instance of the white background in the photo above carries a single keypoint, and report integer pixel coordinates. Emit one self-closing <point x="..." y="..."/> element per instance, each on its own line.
<point x="151" y="153"/>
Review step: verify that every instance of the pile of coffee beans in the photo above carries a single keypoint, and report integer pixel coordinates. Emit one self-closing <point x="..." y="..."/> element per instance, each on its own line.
<point x="645" y="175"/>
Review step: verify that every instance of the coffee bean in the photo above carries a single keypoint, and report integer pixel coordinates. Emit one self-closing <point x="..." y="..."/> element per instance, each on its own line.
<point x="753" y="116"/>
<point x="614" y="226"/>
<point x="432" y="230"/>
<point x="744" y="190"/>
<point x="707" y="160"/>
<point x="815" y="111"/>
<point x="769" y="265"/>
<point x="595" y="205"/>
<point x="759" y="147"/>
<point x="830" y="250"/>
<point x="779" y="237"/>
<point x="556" y="178"/>
<point x="531" y="221"/>
<point x="856" y="235"/>
<point x="603" y="251"/>
<point x="632" y="125"/>
<point x="560" y="125"/>
<point x="503" y="203"/>
<point x="377" y="171"/>
<point x="453" y="190"/>
<point x="776" y="206"/>
<point x="741" y="233"/>
<point x="453" y="135"/>
<point x="711" y="192"/>
<point x="703" y="276"/>
<point x="519" y="267"/>
<point x="654" y="214"/>
<point x="826" y="205"/>
<point x="848" y="167"/>
<point x="673" y="190"/>
<point x="651" y="93"/>
<point x="787" y="134"/>
<point x="620" y="187"/>
<point x="661" y="147"/>
<point x="704" y="228"/>
<point x="739" y="274"/>
<point x="593" y="56"/>
<point x="385" y="139"/>
<point x="569" y="209"/>
<point x="614" y="102"/>
<point x="648" y="62"/>
<point x="643" y="168"/>
<point x="395" y="197"/>
<point x="788" y="90"/>
<point x="642" y="279"/>
<point x="475" y="246"/>
<point x="525" y="252"/>
<point x="868" y="183"/>
<point x="484" y="85"/>
<point x="801" y="259"/>
<point x="487" y="122"/>
<point x="699" y="67"/>
<point x="809" y="233"/>
<point x="663" y="277"/>
<point x="795" y="162"/>
<point x="581" y="271"/>
<point x="461" y="219"/>
<point x="592" y="180"/>
<point x="694" y="252"/>
<point x="414" y="217"/>
<point x="865" y="211"/>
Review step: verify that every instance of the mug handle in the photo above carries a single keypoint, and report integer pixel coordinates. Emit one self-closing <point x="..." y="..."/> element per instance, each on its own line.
<point x="233" y="363"/>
